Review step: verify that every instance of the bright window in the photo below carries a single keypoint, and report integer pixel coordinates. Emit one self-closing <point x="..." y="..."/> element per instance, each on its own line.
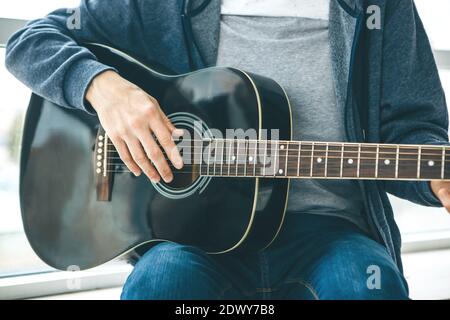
<point x="16" y="256"/>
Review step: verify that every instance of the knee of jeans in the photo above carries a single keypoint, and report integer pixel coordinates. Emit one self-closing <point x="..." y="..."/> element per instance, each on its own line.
<point x="358" y="268"/>
<point x="366" y="281"/>
<point x="162" y="269"/>
<point x="382" y="282"/>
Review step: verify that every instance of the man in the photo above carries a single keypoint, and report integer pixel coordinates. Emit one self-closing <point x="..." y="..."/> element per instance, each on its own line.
<point x="346" y="82"/>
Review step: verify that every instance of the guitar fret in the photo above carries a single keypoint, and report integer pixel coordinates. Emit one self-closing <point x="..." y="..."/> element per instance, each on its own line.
<point x="230" y="142"/>
<point x="326" y="160"/>
<point x="419" y="157"/>
<point x="287" y="160"/>
<point x="265" y="158"/>
<point x="256" y="157"/>
<point x="299" y="157"/>
<point x="237" y="158"/>
<point x="377" y="160"/>
<point x="208" y="161"/>
<point x="201" y="157"/>
<point x="215" y="156"/>
<point x="276" y="164"/>
<point x="359" y="161"/>
<point x="443" y="163"/>
<point x="221" y="157"/>
<point x="396" y="161"/>
<point x="241" y="158"/>
<point x="341" y="175"/>
<point x="245" y="156"/>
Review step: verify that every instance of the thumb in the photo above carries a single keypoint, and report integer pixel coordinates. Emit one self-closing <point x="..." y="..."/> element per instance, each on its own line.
<point x="444" y="197"/>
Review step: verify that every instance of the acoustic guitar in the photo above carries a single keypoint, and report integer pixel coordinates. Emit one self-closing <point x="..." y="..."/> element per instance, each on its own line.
<point x="81" y="207"/>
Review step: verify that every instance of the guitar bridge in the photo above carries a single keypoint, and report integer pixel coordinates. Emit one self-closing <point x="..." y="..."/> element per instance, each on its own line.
<point x="103" y="172"/>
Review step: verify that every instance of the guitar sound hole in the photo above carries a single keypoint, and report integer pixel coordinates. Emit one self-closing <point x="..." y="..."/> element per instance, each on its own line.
<point x="183" y="178"/>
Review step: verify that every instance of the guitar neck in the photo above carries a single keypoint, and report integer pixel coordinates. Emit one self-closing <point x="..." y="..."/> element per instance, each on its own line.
<point x="321" y="160"/>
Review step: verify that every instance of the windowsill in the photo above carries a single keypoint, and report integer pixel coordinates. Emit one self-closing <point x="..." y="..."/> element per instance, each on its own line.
<point x="428" y="274"/>
<point x="60" y="283"/>
<point x="426" y="241"/>
<point x="99" y="294"/>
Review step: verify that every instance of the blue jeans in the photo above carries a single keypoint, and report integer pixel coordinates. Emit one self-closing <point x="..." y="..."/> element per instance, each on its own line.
<point x="314" y="257"/>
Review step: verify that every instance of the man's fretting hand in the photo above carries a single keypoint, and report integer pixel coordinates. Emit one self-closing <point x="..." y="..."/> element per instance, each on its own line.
<point x="442" y="191"/>
<point x="130" y="116"/>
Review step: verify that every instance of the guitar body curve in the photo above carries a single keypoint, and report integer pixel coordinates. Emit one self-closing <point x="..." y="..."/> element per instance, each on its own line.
<point x="66" y="224"/>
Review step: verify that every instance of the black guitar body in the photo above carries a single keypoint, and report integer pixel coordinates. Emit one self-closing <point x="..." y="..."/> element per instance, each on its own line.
<point x="68" y="226"/>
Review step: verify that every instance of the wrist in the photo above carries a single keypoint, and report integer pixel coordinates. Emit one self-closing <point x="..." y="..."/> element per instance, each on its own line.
<point x="98" y="86"/>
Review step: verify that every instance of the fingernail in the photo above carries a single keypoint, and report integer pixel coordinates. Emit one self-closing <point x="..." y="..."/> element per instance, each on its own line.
<point x="178" y="163"/>
<point x="178" y="133"/>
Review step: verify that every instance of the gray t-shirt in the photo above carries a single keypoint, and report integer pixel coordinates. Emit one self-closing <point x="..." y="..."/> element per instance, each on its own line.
<point x="295" y="52"/>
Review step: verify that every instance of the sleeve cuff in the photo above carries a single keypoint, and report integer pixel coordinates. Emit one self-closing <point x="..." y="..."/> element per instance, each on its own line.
<point x="77" y="82"/>
<point x="427" y="194"/>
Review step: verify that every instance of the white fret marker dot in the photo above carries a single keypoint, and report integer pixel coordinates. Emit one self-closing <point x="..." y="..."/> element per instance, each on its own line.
<point x="100" y="144"/>
<point x="430" y="163"/>
<point x="99" y="170"/>
<point x="100" y="138"/>
<point x="233" y="158"/>
<point x="250" y="159"/>
<point x="387" y="162"/>
<point x="280" y="171"/>
<point x="100" y="150"/>
<point x="99" y="157"/>
<point x="319" y="160"/>
<point x="99" y="164"/>
<point x="282" y="147"/>
<point x="350" y="161"/>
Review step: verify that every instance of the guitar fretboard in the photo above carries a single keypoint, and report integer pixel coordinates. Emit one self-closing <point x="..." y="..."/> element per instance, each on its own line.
<point x="321" y="160"/>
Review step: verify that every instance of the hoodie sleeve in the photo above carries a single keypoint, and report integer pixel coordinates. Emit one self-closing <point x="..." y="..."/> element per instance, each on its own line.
<point x="413" y="106"/>
<point x="47" y="56"/>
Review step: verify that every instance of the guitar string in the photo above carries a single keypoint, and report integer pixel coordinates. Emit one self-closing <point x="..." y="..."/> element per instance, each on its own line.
<point x="318" y="151"/>
<point x="332" y="168"/>
<point x="319" y="156"/>
<point x="268" y="175"/>
<point x="320" y="143"/>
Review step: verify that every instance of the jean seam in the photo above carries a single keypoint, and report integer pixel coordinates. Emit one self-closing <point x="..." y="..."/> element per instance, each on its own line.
<point x="264" y="277"/>
<point x="304" y="283"/>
